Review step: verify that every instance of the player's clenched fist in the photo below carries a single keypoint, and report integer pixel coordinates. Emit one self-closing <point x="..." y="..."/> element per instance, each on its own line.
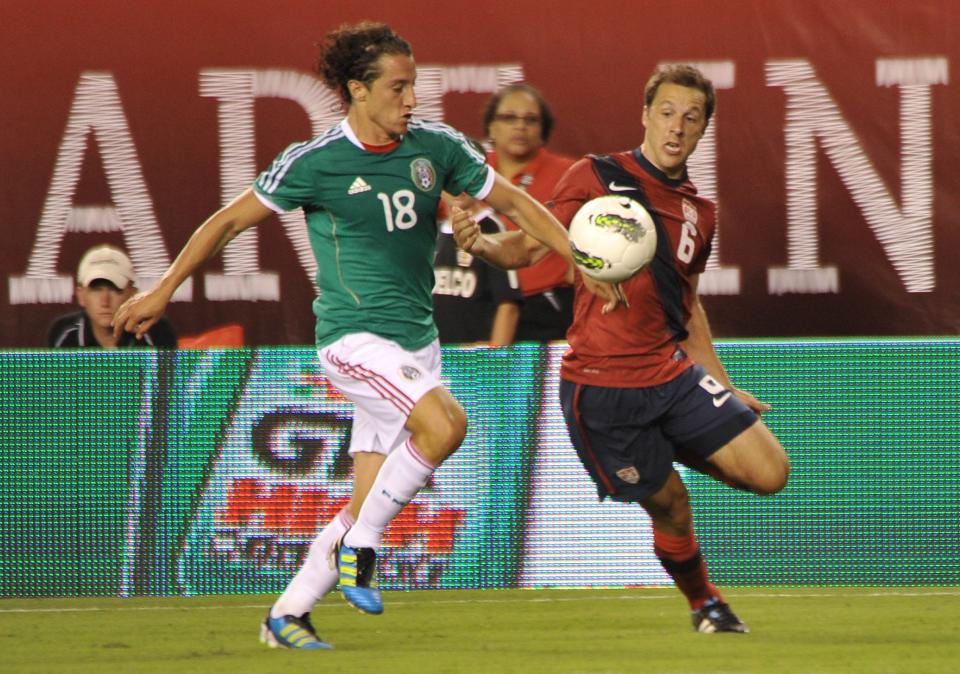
<point x="466" y="231"/>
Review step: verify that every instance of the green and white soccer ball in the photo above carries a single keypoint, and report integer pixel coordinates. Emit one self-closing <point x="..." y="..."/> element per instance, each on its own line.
<point x="612" y="238"/>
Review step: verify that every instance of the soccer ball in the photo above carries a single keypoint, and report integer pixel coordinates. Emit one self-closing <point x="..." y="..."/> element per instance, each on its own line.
<point x="612" y="238"/>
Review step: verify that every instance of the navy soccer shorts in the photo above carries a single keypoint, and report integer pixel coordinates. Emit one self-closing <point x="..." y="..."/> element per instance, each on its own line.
<point x="628" y="438"/>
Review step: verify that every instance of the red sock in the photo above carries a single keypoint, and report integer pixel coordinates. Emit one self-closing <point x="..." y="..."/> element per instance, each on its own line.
<point x="680" y="556"/>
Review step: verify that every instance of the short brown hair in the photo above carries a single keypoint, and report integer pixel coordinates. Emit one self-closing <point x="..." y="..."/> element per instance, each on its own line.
<point x="684" y="75"/>
<point x="352" y="52"/>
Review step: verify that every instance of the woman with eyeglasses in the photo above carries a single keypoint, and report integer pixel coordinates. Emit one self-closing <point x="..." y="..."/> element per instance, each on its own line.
<point x="518" y="122"/>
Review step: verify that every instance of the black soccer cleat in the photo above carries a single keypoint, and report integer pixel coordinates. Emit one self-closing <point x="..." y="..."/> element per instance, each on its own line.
<point x="717" y="616"/>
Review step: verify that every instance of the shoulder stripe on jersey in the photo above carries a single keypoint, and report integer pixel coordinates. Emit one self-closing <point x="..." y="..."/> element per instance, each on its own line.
<point x="447" y="130"/>
<point x="666" y="278"/>
<point x="487" y="185"/>
<point x="271" y="180"/>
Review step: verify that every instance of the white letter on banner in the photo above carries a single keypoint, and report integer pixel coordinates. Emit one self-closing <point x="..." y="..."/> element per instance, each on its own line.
<point x="716" y="279"/>
<point x="96" y="109"/>
<point x="435" y="81"/>
<point x="235" y="91"/>
<point x="811" y="117"/>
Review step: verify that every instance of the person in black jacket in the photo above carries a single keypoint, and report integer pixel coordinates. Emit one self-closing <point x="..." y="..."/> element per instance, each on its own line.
<point x="105" y="280"/>
<point x="473" y="302"/>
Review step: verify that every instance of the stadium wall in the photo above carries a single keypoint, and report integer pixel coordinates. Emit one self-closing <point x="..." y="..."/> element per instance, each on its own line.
<point x="208" y="472"/>
<point x="831" y="155"/>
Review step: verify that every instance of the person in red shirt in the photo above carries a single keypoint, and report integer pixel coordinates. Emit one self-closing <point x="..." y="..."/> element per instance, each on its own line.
<point x="518" y="121"/>
<point x="641" y="385"/>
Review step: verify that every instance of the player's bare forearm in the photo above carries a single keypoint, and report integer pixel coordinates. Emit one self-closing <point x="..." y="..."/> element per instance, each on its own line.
<point x="544" y="232"/>
<point x="507" y="250"/>
<point x="530" y="215"/>
<point x="512" y="250"/>
<point x="212" y="237"/>
<point x="533" y="218"/>
<point x="699" y="344"/>
<point x="140" y="312"/>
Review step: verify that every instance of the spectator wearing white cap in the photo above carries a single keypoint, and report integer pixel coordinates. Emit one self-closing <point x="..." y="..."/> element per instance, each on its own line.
<point x="105" y="280"/>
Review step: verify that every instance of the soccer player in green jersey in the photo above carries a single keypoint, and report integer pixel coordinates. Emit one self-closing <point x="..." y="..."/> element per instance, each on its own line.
<point x="369" y="188"/>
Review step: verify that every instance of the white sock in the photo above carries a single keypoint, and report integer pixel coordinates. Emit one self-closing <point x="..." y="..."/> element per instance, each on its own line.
<point x="316" y="577"/>
<point x="401" y="476"/>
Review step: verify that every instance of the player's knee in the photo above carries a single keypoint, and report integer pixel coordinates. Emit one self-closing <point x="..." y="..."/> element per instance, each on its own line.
<point x="772" y="479"/>
<point x="438" y="424"/>
<point x="458" y="428"/>
<point x="448" y="431"/>
<point x="681" y="516"/>
<point x="669" y="508"/>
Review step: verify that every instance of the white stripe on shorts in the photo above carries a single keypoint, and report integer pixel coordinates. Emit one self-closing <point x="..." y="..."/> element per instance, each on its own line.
<point x="377" y="382"/>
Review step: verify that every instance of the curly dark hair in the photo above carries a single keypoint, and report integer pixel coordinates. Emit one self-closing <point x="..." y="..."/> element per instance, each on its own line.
<point x="546" y="114"/>
<point x="685" y="76"/>
<point x="352" y="52"/>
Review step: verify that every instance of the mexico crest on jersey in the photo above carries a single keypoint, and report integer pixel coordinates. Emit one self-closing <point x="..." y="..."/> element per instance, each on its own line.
<point x="422" y="174"/>
<point x="409" y="372"/>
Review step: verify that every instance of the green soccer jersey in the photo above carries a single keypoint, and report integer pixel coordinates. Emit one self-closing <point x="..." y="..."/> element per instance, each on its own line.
<point x="371" y="218"/>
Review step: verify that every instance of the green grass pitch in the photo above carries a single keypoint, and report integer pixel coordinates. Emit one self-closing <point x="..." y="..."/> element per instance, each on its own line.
<point x="497" y="631"/>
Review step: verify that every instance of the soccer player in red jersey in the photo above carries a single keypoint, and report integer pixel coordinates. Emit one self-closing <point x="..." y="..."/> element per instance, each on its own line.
<point x="641" y="385"/>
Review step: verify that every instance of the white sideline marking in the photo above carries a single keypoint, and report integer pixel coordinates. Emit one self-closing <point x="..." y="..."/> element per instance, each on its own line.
<point x="532" y="600"/>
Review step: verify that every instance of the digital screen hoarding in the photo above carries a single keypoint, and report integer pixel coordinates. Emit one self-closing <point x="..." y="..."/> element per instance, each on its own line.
<point x="206" y="472"/>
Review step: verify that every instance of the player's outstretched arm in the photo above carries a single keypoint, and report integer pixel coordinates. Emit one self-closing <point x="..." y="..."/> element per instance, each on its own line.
<point x="507" y="250"/>
<point x="530" y="215"/>
<point x="512" y="250"/>
<point x="699" y="346"/>
<point x="140" y="312"/>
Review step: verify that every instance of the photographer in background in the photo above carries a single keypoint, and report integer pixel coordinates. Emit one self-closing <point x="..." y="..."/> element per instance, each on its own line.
<point x="105" y="280"/>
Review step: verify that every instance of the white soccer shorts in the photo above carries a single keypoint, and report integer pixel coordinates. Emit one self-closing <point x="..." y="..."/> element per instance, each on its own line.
<point x="383" y="381"/>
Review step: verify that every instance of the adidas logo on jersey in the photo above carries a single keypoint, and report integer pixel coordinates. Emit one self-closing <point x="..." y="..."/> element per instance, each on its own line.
<point x="359" y="185"/>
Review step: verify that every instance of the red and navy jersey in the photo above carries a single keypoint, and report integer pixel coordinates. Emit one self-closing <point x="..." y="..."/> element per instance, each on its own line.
<point x="639" y="345"/>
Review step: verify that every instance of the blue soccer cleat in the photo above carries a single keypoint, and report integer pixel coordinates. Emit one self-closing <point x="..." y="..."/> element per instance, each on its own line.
<point x="291" y="632"/>
<point x="358" y="569"/>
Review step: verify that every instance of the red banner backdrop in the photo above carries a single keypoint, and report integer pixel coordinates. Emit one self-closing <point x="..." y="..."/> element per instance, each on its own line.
<point x="831" y="156"/>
